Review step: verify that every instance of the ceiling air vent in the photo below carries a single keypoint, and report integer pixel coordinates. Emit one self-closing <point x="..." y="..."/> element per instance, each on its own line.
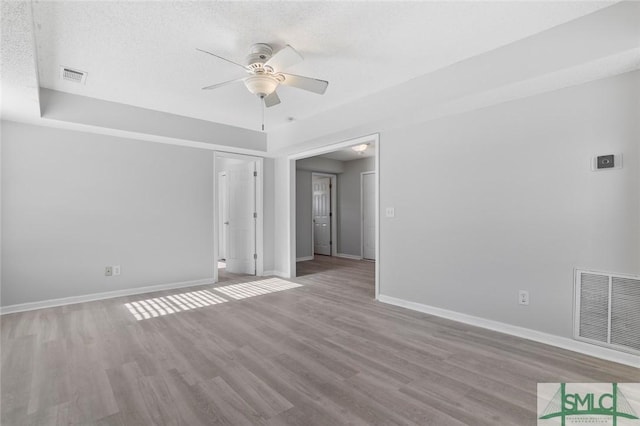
<point x="72" y="75"/>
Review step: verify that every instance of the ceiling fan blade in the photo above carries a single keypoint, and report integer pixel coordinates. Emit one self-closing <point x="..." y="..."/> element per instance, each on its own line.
<point x="285" y="58"/>
<point x="271" y="100"/>
<point x="305" y="83"/>
<point x="215" y="86"/>
<point x="224" y="59"/>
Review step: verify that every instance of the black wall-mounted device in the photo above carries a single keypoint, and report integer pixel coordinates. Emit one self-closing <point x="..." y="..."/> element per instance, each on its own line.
<point x="605" y="162"/>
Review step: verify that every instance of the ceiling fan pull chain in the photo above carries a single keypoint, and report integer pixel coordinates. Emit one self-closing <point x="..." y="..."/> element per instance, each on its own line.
<point x="262" y="108"/>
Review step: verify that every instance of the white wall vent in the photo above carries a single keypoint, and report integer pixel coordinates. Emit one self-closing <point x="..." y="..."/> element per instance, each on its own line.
<point x="73" y="75"/>
<point x="607" y="310"/>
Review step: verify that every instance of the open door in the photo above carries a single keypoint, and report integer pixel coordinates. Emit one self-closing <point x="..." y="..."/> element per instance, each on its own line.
<point x="241" y="228"/>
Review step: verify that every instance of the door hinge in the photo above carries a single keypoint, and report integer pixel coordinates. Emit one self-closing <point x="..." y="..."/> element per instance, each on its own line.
<point x="255" y="256"/>
<point x="255" y="215"/>
<point x="255" y="174"/>
<point x="330" y="214"/>
<point x="330" y="243"/>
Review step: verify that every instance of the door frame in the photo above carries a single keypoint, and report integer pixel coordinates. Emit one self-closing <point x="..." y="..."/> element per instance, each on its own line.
<point x="290" y="176"/>
<point x="362" y="212"/>
<point x="334" y="216"/>
<point x="259" y="237"/>
<point x="220" y="226"/>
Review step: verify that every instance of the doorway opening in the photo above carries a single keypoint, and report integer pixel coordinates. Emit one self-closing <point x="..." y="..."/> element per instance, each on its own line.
<point x="334" y="211"/>
<point x="237" y="216"/>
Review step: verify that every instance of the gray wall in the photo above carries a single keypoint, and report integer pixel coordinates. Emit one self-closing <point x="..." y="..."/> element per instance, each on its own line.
<point x="112" y="115"/>
<point x="283" y="238"/>
<point x="75" y="202"/>
<point x="349" y="220"/>
<point x="320" y="164"/>
<point x="303" y="214"/>
<point x="503" y="198"/>
<point x="268" y="200"/>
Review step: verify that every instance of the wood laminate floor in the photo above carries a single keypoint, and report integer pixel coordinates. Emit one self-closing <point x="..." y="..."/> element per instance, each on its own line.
<point x="261" y="351"/>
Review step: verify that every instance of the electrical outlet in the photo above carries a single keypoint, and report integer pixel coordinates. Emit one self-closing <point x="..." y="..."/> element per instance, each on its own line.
<point x="390" y="212"/>
<point x="523" y="297"/>
<point x="108" y="271"/>
<point x="116" y="270"/>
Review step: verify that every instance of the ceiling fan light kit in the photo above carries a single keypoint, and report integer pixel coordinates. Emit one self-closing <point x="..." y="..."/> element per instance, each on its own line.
<point x="265" y="73"/>
<point x="261" y="85"/>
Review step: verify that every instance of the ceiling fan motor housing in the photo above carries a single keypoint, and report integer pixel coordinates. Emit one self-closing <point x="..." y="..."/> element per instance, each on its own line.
<point x="259" y="53"/>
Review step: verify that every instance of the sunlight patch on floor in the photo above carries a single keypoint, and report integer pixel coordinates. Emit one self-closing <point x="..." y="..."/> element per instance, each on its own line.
<point x="165" y="305"/>
<point x="256" y="288"/>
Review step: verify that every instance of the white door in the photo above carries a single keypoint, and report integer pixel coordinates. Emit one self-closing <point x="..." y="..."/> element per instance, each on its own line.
<point x="241" y="232"/>
<point x="223" y="215"/>
<point x="369" y="216"/>
<point x="321" y="215"/>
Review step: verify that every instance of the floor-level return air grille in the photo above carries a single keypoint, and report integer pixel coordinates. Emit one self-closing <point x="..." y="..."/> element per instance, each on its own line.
<point x="607" y="310"/>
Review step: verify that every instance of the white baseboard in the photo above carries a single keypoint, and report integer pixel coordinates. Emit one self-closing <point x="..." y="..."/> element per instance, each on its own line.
<point x="526" y="333"/>
<point x="99" y="296"/>
<point x="349" y="256"/>
<point x="277" y="274"/>
<point x="304" y="259"/>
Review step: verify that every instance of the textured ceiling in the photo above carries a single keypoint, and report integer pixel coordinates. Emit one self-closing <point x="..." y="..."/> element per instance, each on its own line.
<point x="143" y="53"/>
<point x="18" y="59"/>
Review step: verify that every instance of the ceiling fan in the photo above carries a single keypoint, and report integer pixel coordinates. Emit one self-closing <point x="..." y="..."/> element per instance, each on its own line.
<point x="265" y="73"/>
